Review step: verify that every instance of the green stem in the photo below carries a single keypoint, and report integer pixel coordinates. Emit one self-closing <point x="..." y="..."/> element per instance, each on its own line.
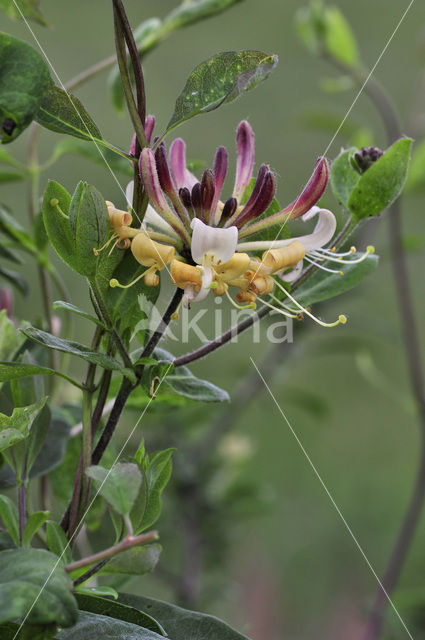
<point x="22" y="508"/>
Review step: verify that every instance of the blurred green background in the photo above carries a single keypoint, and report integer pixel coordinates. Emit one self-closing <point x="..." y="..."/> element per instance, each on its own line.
<point x="295" y="572"/>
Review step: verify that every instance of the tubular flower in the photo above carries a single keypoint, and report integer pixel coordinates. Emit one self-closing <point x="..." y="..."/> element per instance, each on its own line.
<point x="211" y="233"/>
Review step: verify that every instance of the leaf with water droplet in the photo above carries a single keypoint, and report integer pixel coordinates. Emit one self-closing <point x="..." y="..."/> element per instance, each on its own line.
<point x="221" y="79"/>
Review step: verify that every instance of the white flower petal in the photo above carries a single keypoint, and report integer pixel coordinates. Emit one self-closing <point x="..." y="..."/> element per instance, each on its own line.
<point x="322" y="234"/>
<point x="129" y="193"/>
<point x="218" y="245"/>
<point x="293" y="274"/>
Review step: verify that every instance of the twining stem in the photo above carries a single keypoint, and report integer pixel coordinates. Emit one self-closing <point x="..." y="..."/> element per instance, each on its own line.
<point x="126" y="79"/>
<point x="166" y="319"/>
<point x="390" y="119"/>
<point x="128" y="543"/>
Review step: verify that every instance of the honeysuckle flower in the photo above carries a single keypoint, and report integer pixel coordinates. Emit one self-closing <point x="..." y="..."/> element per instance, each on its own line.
<point x="212" y="234"/>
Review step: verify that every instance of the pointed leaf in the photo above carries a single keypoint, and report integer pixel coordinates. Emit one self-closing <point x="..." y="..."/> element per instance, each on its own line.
<point x="182" y="624"/>
<point x="17" y="427"/>
<point x="343" y="176"/>
<point x="118" y="611"/>
<point x="11" y="176"/>
<point x="91" y="626"/>
<point x="9" y="515"/>
<point x="119" y="485"/>
<point x="158" y="467"/>
<point x="16" y="370"/>
<point x="67" y="346"/>
<point x="10" y="338"/>
<point x="57" y="542"/>
<point x="137" y="561"/>
<point x="13" y="230"/>
<point x="56" y="203"/>
<point x="67" y="306"/>
<point x="20" y="9"/>
<point x="88" y="217"/>
<point x="196" y="10"/>
<point x="383" y="183"/>
<point x="24" y="80"/>
<point x="34" y="522"/>
<point x="15" y="280"/>
<point x="221" y="79"/>
<point x="63" y="113"/>
<point x="31" y="578"/>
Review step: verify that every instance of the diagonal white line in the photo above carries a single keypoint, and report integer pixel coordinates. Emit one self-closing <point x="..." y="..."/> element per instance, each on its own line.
<point x="353" y="104"/>
<point x="91" y="504"/>
<point x="331" y="498"/>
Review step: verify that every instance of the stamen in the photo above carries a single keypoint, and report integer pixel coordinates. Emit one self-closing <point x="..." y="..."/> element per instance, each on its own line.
<point x="281" y="311"/>
<point x="341" y="319"/>
<point x="320" y="266"/>
<point x="114" y="282"/>
<point x="370" y="250"/>
<point x="251" y="305"/>
<point x="332" y="252"/>
<point x="106" y="245"/>
<point x="54" y="202"/>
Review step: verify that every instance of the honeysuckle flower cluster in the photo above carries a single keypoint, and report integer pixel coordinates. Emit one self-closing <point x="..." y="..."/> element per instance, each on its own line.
<point x="202" y="239"/>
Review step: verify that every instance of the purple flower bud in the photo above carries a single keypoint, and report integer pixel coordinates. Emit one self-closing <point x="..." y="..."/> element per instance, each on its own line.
<point x="312" y="192"/>
<point x="254" y="195"/>
<point x="305" y="201"/>
<point x="245" y="147"/>
<point x="132" y="150"/>
<point x="149" y="127"/>
<point x="229" y="209"/>
<point x="197" y="199"/>
<point x="182" y="176"/>
<point x="207" y="193"/>
<point x="149" y="177"/>
<point x="185" y="197"/>
<point x="261" y="203"/>
<point x="221" y="161"/>
<point x="167" y="183"/>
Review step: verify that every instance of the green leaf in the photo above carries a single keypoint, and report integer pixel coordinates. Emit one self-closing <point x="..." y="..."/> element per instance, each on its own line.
<point x="67" y="306"/>
<point x="56" y="203"/>
<point x="88" y="217"/>
<point x="75" y="348"/>
<point x="416" y="177"/>
<point x="15" y="280"/>
<point x="11" y="176"/>
<point x="119" y="485"/>
<point x="118" y="611"/>
<point x="158" y="467"/>
<point x="9" y="254"/>
<point x="15" y="370"/>
<point x="34" y="522"/>
<point x="184" y="383"/>
<point x="9" y="515"/>
<point x="17" y="427"/>
<point x="323" y="285"/>
<point x="10" y="338"/>
<point x="343" y="176"/>
<point x="24" y="80"/>
<point x="91" y="626"/>
<point x="340" y="42"/>
<point x="196" y="10"/>
<point x="63" y="113"/>
<point x="101" y="592"/>
<point x="30" y="579"/>
<point x="137" y="561"/>
<point x="383" y="183"/>
<point x="13" y="230"/>
<point x="57" y="542"/>
<point x="20" y="9"/>
<point x="219" y="80"/>
<point x="182" y="624"/>
<point x="38" y="434"/>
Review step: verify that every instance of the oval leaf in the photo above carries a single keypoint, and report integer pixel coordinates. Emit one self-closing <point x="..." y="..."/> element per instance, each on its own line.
<point x="181" y="624"/>
<point x="30" y="578"/>
<point x="63" y="113"/>
<point x="24" y="81"/>
<point x="57" y="542"/>
<point x="119" y="485"/>
<point x="34" y="522"/>
<point x="221" y="79"/>
<point x="20" y="9"/>
<point x="91" y="626"/>
<point x="382" y="184"/>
